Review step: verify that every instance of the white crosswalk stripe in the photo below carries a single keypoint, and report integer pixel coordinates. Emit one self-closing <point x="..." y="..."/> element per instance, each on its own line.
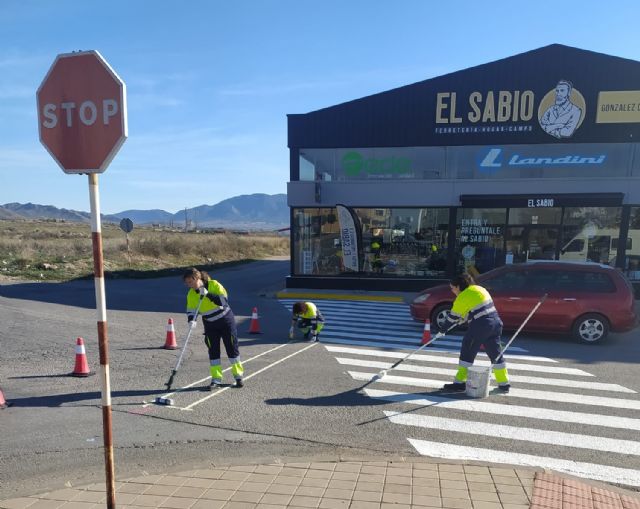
<point x="473" y="405"/>
<point x="589" y="470"/>
<point x="558" y="382"/>
<point x="601" y="419"/>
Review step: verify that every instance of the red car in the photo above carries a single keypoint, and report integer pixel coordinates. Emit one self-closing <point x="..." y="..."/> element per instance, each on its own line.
<point x="585" y="299"/>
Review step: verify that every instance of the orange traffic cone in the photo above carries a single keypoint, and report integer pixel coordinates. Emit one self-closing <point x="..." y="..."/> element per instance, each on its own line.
<point x="170" y="343"/>
<point x="82" y="366"/>
<point x="3" y="402"/>
<point x="426" y="333"/>
<point x="254" y="327"/>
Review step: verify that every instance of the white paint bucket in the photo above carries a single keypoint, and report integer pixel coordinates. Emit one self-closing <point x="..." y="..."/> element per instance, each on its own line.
<point x="477" y="382"/>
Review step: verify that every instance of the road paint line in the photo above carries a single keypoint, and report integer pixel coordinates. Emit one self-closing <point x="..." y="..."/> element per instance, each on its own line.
<point x="502" y="431"/>
<point x="197" y="382"/>
<point x="589" y="470"/>
<point x="394" y="337"/>
<point x="219" y="391"/>
<point x="560" y="382"/>
<point x="338" y="296"/>
<point x="352" y="326"/>
<point x="558" y="397"/>
<point x="469" y="405"/>
<point x="429" y="358"/>
<point x="354" y="303"/>
<point x="374" y="317"/>
<point x="374" y="344"/>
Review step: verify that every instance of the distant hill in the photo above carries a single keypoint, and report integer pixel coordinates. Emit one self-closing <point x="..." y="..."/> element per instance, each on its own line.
<point x="33" y="211"/>
<point x="253" y="211"/>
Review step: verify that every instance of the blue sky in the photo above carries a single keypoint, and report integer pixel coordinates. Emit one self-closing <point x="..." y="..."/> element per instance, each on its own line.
<point x="210" y="83"/>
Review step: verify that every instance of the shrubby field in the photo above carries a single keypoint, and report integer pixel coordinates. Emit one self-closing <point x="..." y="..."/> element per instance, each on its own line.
<point x="55" y="250"/>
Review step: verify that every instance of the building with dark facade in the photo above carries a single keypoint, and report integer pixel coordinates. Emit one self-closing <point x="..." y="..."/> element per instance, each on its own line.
<point x="533" y="157"/>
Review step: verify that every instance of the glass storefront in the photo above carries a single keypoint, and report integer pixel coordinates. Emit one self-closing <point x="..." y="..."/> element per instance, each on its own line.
<point x="632" y="260"/>
<point x="480" y="239"/>
<point x="396" y="242"/>
<point x="590" y="234"/>
<point x="414" y="242"/>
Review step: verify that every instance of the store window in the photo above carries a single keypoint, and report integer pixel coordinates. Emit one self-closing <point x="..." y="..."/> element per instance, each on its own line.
<point x="396" y="242"/>
<point x="480" y="239"/>
<point x="405" y="242"/>
<point x="632" y="260"/>
<point x="590" y="234"/>
<point x="316" y="237"/>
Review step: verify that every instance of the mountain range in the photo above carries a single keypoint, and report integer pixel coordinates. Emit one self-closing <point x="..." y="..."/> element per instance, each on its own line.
<point x="248" y="211"/>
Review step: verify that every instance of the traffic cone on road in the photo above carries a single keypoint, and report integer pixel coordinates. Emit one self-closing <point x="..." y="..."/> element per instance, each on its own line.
<point x="426" y="333"/>
<point x="170" y="343"/>
<point x="3" y="402"/>
<point x="254" y="327"/>
<point x="82" y="366"/>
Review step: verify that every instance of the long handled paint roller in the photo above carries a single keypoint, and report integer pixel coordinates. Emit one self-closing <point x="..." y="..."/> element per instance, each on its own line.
<point x="383" y="372"/>
<point x="163" y="400"/>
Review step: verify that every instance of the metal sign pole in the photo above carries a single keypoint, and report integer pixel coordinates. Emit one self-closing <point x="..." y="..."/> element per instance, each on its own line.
<point x="103" y="340"/>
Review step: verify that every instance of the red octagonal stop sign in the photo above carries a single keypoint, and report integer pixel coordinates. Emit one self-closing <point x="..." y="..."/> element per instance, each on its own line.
<point x="82" y="112"/>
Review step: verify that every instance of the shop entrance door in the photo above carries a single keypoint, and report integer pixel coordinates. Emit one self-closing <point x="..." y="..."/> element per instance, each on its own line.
<point x="531" y="242"/>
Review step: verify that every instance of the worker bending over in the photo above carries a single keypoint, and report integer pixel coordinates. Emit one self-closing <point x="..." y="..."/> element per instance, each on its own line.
<point x="309" y="320"/>
<point x="218" y="321"/>
<point x="474" y="305"/>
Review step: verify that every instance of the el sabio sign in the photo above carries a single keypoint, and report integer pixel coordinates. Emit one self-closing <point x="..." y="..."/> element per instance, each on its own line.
<point x="82" y="121"/>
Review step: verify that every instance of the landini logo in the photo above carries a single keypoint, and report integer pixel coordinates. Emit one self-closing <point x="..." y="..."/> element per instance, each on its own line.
<point x="492" y="160"/>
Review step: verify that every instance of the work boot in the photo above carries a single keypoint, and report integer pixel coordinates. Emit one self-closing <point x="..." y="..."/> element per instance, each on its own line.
<point x="215" y="384"/>
<point x="307" y="334"/>
<point x="504" y="388"/>
<point x="455" y="387"/>
<point x="239" y="383"/>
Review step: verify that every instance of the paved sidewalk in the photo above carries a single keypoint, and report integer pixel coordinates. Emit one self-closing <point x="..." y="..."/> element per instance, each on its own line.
<point x="411" y="484"/>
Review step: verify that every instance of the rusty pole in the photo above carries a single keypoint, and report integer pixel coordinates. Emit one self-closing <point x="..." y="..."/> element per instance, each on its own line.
<point x="103" y="340"/>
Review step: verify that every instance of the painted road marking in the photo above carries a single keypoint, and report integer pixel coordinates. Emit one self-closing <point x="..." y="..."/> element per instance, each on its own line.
<point x="429" y="358"/>
<point x="219" y="391"/>
<point x="502" y="431"/>
<point x="472" y="405"/>
<point x="559" y="382"/>
<point x="558" y="397"/>
<point x="589" y="470"/>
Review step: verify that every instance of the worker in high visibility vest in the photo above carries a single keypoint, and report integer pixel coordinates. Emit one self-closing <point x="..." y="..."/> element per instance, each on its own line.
<point x="219" y="323"/>
<point x="474" y="305"/>
<point x="309" y="320"/>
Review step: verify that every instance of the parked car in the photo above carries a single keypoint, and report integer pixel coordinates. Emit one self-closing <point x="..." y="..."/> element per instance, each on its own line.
<point x="585" y="299"/>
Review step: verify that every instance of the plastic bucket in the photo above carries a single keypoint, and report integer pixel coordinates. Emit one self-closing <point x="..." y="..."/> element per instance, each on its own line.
<point x="477" y="382"/>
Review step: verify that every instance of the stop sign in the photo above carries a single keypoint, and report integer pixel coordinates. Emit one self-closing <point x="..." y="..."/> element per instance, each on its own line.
<point x="82" y="112"/>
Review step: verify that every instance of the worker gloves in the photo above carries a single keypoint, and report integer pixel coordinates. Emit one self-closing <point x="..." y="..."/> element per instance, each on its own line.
<point x="202" y="291"/>
<point x="193" y="324"/>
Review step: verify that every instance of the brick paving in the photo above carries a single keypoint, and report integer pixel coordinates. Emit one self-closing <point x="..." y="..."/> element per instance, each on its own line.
<point x="343" y="485"/>
<point x="552" y="491"/>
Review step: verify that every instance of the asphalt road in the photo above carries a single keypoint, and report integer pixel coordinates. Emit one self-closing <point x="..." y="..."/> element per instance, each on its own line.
<point x="299" y="400"/>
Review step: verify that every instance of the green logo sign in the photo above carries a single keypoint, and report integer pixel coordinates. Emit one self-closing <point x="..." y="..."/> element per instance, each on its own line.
<point x="354" y="164"/>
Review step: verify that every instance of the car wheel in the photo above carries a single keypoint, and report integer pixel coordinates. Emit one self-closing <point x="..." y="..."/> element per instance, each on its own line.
<point x="591" y="328"/>
<point x="439" y="317"/>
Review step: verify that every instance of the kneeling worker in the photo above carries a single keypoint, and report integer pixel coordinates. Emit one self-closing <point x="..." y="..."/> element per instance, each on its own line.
<point x="309" y="320"/>
<point x="474" y="304"/>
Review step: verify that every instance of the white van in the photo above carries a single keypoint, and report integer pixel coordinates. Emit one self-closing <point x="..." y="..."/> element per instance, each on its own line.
<point x="600" y="246"/>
